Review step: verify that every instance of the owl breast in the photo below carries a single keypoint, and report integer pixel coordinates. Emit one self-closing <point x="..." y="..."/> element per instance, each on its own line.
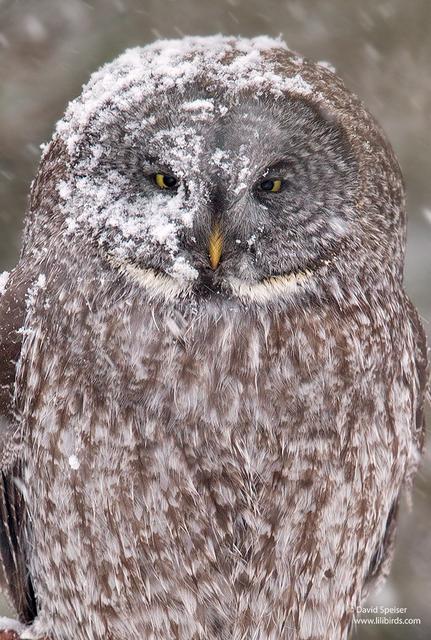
<point x="199" y="473"/>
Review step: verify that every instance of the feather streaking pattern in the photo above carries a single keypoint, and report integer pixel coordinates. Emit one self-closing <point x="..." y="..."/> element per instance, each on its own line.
<point x="211" y="396"/>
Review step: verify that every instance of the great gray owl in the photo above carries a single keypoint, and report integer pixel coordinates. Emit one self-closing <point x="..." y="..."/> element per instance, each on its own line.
<point x="212" y="379"/>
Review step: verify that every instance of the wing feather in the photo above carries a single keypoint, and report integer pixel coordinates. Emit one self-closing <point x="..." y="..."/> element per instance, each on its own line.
<point x="14" y="577"/>
<point x="381" y="561"/>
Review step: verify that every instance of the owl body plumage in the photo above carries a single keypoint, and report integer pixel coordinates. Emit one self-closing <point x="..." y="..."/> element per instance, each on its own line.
<point x="211" y="453"/>
<point x="197" y="500"/>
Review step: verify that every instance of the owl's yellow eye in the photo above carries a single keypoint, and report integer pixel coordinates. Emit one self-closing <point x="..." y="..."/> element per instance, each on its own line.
<point x="164" y="181"/>
<point x="273" y="185"/>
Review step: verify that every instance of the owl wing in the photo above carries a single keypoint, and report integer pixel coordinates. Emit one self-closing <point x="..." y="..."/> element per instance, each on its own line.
<point x="381" y="561"/>
<point x="14" y="578"/>
<point x="422" y="372"/>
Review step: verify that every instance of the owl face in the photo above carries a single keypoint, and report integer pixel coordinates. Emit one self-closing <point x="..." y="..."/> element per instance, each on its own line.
<point x="202" y="190"/>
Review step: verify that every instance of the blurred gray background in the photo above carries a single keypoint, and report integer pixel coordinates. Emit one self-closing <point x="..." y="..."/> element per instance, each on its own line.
<point x="382" y="49"/>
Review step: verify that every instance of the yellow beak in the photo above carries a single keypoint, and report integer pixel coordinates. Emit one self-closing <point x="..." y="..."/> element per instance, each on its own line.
<point x="215" y="246"/>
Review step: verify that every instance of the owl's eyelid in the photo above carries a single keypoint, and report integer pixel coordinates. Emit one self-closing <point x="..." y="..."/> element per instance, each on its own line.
<point x="151" y="170"/>
<point x="276" y="176"/>
<point x="151" y="166"/>
<point x="274" y="172"/>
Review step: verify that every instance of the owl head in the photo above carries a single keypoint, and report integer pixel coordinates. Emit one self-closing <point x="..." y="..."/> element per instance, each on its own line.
<point x="221" y="167"/>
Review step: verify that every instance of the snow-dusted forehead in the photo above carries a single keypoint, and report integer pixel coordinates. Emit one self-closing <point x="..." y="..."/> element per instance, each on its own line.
<point x="223" y="63"/>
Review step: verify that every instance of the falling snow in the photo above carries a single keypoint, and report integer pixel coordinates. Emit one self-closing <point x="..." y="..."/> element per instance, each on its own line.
<point x="3" y="281"/>
<point x="74" y="462"/>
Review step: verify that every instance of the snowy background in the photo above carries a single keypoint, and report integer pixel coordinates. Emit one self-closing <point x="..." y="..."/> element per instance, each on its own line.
<point x="382" y="48"/>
